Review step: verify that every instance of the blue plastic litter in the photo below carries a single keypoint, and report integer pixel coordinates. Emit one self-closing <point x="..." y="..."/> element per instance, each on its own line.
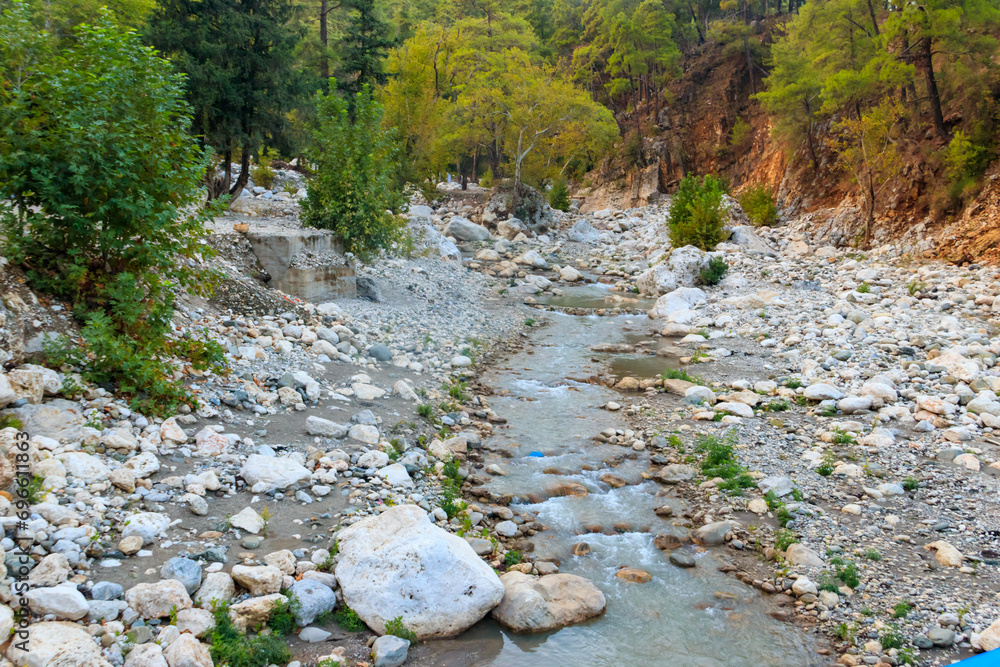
<point x="990" y="659"/>
<point x="536" y="454"/>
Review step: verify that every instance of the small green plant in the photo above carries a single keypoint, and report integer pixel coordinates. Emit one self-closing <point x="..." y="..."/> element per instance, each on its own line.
<point x="911" y="484"/>
<point x="681" y="374"/>
<point x="426" y="410"/>
<point x="559" y="194"/>
<point x="864" y="288"/>
<point x="827" y="464"/>
<point x="906" y="656"/>
<point x="827" y="411"/>
<point x="758" y="203"/>
<point x="783" y="539"/>
<point x="265" y="517"/>
<point x="71" y="389"/>
<point x="457" y="391"/>
<point x="395" y="627"/>
<point x="891" y="637"/>
<point x="173" y="615"/>
<point x="348" y="619"/>
<point x="793" y="383"/>
<point x="901" y="609"/>
<point x="915" y="286"/>
<point x="873" y="555"/>
<point x="512" y="557"/>
<point x="713" y="272"/>
<point x="530" y="322"/>
<point x="233" y="648"/>
<point x="695" y="216"/>
<point x="779" y="405"/>
<point x="842" y="438"/>
<point x="844" y="632"/>
<point x="449" y="501"/>
<point x="784" y="516"/>
<point x="35" y="491"/>
<point x="282" y="618"/>
<point x="10" y="421"/>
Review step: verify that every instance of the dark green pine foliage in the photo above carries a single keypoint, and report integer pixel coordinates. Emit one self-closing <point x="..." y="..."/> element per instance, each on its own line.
<point x="366" y="43"/>
<point x="238" y="56"/>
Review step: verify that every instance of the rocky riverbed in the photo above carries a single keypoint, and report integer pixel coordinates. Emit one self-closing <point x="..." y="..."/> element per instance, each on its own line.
<point x="544" y="424"/>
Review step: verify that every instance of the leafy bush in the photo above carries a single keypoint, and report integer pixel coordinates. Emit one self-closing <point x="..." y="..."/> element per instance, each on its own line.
<point x="486" y="180"/>
<point x="512" y="557"/>
<point x="355" y="192"/>
<point x="105" y="186"/>
<point x="282" y="619"/>
<point x="783" y="539"/>
<point x="396" y="627"/>
<point x="349" y="620"/>
<point x="559" y="195"/>
<point x="233" y="648"/>
<point x="695" y="216"/>
<point x="713" y="272"/>
<point x="263" y="175"/>
<point x="758" y="203"/>
<point x="740" y="132"/>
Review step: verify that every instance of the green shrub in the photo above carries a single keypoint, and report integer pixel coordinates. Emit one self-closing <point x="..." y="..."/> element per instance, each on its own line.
<point x="783" y="539"/>
<point x="758" y="203"/>
<point x="891" y="637"/>
<point x="349" y="620"/>
<point x="740" y="132"/>
<point x="695" y="216"/>
<point x="901" y="609"/>
<point x="911" y="484"/>
<point x="486" y="180"/>
<point x="714" y="271"/>
<point x="512" y="557"/>
<point x="282" y="619"/>
<point x="355" y="192"/>
<point x="395" y="627"/>
<point x="559" y="195"/>
<point x="263" y="176"/>
<point x="235" y="649"/>
<point x="107" y="205"/>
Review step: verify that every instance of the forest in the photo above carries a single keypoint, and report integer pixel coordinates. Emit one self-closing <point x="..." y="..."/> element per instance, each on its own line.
<point x="543" y="91"/>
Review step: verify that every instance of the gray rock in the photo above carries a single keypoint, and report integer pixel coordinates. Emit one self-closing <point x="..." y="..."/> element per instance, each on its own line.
<point x="184" y="570"/>
<point x="390" y="651"/>
<point x="314" y="599"/>
<point x="682" y="558"/>
<point x="941" y="637"/>
<point x="712" y="534"/>
<point x="380" y="352"/>
<point x="325" y="427"/>
<point x="106" y="590"/>
<point x="781" y="486"/>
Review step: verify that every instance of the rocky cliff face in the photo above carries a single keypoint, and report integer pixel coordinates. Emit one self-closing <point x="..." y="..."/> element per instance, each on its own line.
<point x="712" y="124"/>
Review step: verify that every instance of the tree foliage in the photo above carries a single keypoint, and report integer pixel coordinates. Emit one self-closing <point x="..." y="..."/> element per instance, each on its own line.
<point x="237" y="56"/>
<point x="354" y="192"/>
<point x="695" y="216"/>
<point x="103" y="183"/>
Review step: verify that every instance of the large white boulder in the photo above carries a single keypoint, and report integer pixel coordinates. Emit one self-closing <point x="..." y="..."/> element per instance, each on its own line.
<point x="681" y="269"/>
<point x="399" y="564"/>
<point x="56" y="644"/>
<point x="273" y="472"/>
<point x="538" y="604"/>
<point x="682" y="298"/>
<point x="85" y="467"/>
<point x="464" y="229"/>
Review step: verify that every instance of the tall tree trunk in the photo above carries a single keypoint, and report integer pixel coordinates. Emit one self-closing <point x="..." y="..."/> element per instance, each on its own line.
<point x="932" y="89"/>
<point x="746" y="47"/>
<point x="697" y="24"/>
<point x="871" y="12"/>
<point x="244" y="176"/>
<point x="324" y="62"/>
<point x="475" y="164"/>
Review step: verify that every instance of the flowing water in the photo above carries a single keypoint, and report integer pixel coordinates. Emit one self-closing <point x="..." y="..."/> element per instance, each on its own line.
<point x="683" y="617"/>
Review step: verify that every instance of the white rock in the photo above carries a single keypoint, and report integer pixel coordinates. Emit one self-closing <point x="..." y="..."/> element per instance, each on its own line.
<point x="399" y="564"/>
<point x="57" y="644"/>
<point x="274" y="472"/>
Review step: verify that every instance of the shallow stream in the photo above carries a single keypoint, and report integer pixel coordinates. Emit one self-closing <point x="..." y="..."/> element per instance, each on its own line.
<point x="683" y="617"/>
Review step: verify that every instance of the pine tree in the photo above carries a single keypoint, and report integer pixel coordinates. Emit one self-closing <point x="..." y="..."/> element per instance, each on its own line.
<point x="237" y="55"/>
<point x="365" y="45"/>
